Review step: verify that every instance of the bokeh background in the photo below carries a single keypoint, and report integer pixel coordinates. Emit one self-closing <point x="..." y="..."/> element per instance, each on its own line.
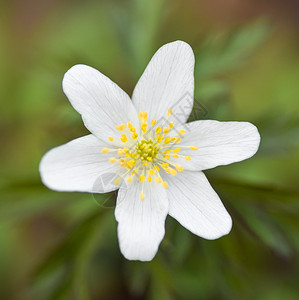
<point x="64" y="245"/>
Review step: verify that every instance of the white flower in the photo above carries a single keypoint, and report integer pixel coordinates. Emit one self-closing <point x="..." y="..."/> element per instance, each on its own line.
<point x="158" y="158"/>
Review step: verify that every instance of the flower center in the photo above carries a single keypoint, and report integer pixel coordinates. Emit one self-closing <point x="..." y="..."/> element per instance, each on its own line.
<point x="144" y="157"/>
<point x="147" y="150"/>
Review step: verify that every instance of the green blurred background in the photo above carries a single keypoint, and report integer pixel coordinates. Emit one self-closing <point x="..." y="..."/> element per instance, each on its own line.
<point x="64" y="245"/>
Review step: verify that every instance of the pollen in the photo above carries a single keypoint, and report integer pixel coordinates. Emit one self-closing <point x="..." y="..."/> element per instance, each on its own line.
<point x="193" y="147"/>
<point x="179" y="167"/>
<point x="141" y="178"/>
<point x="147" y="150"/>
<point x="120" y="127"/>
<point x="123" y="138"/>
<point x="165" y="184"/>
<point x="105" y="150"/>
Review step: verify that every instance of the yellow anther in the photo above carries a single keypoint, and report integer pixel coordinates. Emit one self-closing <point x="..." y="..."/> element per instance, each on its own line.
<point x="110" y="138"/>
<point x="165" y="184"/>
<point x="157" y="168"/>
<point x="176" y="150"/>
<point x="134" y="135"/>
<point x="123" y="138"/>
<point x="151" y="172"/>
<point x="149" y="159"/>
<point x="134" y="172"/>
<point x="129" y="124"/>
<point x="131" y="163"/>
<point x="169" y="113"/>
<point x="120" y="152"/>
<point x="158" y="179"/>
<point x="178" y="140"/>
<point x="141" y="178"/>
<point x="167" y="151"/>
<point x="165" y="129"/>
<point x="153" y="122"/>
<point x="193" y="147"/>
<point x="142" y="197"/>
<point x="149" y="178"/>
<point x="140" y="114"/>
<point x="182" y="131"/>
<point x="129" y="179"/>
<point x="164" y="165"/>
<point x="166" y="156"/>
<point x="167" y="170"/>
<point x="133" y="129"/>
<point x="167" y="140"/>
<point x="117" y="181"/>
<point x="145" y="115"/>
<point x="175" y="156"/>
<point x="187" y="157"/>
<point x="145" y="163"/>
<point x="112" y="159"/>
<point x="173" y="172"/>
<point x="105" y="150"/>
<point x="120" y="127"/>
<point x="158" y="130"/>
<point x="178" y="167"/>
<point x="170" y="125"/>
<point x="144" y="127"/>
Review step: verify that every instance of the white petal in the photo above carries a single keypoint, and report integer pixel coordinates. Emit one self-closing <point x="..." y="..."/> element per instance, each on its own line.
<point x="78" y="166"/>
<point x="102" y="104"/>
<point x="219" y="143"/>
<point x="167" y="82"/>
<point x="141" y="222"/>
<point x="194" y="203"/>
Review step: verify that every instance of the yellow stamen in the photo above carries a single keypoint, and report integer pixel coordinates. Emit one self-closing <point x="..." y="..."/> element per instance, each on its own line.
<point x="166" y="157"/>
<point x="141" y="178"/>
<point x="165" y="184"/>
<point x="178" y="167"/>
<point x="110" y="138"/>
<point x="167" y="140"/>
<point x="120" y="127"/>
<point x="144" y="127"/>
<point x="105" y="150"/>
<point x="123" y="138"/>
<point x="187" y="157"/>
<point x="135" y="135"/>
<point x="117" y="181"/>
<point x="164" y="165"/>
<point x="157" y="168"/>
<point x="151" y="171"/>
<point x="193" y="147"/>
<point x="171" y="124"/>
<point x="165" y="129"/>
<point x="149" y="178"/>
<point x="173" y="172"/>
<point x="175" y="156"/>
<point x="112" y="159"/>
<point x="142" y="197"/>
<point x="158" y="130"/>
<point x="182" y="131"/>
<point x="158" y="179"/>
<point x="129" y="179"/>
<point x="169" y="113"/>
<point x="153" y="122"/>
<point x="167" y="151"/>
<point x="176" y="150"/>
